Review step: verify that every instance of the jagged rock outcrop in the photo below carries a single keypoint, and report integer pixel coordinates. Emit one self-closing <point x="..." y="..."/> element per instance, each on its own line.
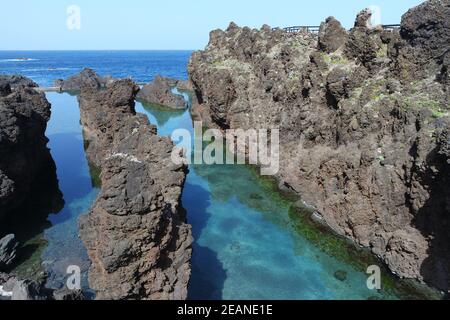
<point x="185" y="85"/>
<point x="332" y="35"/>
<point x="363" y="125"/>
<point x="160" y="92"/>
<point x="87" y="78"/>
<point x="16" y="81"/>
<point x="68" y="295"/>
<point x="24" y="157"/>
<point x="8" y="247"/>
<point x="426" y="34"/>
<point x="136" y="232"/>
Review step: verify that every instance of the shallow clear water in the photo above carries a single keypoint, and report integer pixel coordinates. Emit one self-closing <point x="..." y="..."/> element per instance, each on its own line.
<point x="67" y="148"/>
<point x="48" y="230"/>
<point x="247" y="242"/>
<point x="246" y="246"/>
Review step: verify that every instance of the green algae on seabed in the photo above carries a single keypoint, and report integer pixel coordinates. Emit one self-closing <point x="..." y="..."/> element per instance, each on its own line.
<point x="267" y="197"/>
<point x="29" y="264"/>
<point x="95" y="173"/>
<point x="346" y="251"/>
<point x="339" y="247"/>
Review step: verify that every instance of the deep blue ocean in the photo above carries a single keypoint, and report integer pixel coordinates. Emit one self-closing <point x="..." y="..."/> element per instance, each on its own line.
<point x="248" y="244"/>
<point x="45" y="66"/>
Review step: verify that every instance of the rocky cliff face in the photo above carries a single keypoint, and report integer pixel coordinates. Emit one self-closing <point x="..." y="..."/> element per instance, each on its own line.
<point x="24" y="157"/>
<point x="136" y="234"/>
<point x="364" y="121"/>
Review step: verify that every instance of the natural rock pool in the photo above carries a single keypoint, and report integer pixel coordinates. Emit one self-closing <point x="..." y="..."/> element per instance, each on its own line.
<point x="249" y="241"/>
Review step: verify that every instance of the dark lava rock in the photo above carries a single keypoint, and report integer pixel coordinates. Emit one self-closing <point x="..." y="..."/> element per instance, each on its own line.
<point x="16" y="81"/>
<point x="5" y="88"/>
<point x="8" y="247"/>
<point x="68" y="295"/>
<point x="425" y="30"/>
<point x="160" y="92"/>
<point x="136" y="232"/>
<point x="87" y="78"/>
<point x="363" y="19"/>
<point x="341" y="275"/>
<point x="363" y="130"/>
<point x="332" y="35"/>
<point x="24" y="156"/>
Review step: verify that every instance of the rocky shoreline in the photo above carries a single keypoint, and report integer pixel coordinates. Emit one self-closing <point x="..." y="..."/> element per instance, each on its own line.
<point x="25" y="166"/>
<point x="136" y="233"/>
<point x="364" y="123"/>
<point x="365" y="141"/>
<point x="24" y="114"/>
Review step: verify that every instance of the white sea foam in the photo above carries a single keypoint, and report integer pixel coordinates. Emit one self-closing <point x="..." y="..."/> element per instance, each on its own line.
<point x="18" y="60"/>
<point x="47" y="69"/>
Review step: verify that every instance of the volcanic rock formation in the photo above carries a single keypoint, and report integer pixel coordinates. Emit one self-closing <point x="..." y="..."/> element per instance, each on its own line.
<point x="16" y="81"/>
<point x="8" y="246"/>
<point x="159" y="92"/>
<point x="25" y="161"/>
<point x="135" y="233"/>
<point x="87" y="77"/>
<point x="364" y="121"/>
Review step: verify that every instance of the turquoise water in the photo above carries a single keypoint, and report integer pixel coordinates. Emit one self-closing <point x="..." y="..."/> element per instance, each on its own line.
<point x="246" y="245"/>
<point x="64" y="248"/>
<point x="247" y="240"/>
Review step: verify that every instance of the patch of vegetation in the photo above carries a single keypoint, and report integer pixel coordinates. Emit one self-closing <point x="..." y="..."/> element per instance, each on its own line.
<point x="346" y="251"/>
<point x="439" y="114"/>
<point x="293" y="77"/>
<point x="334" y="59"/>
<point x="377" y="90"/>
<point x="218" y="63"/>
<point x="382" y="51"/>
<point x="95" y="173"/>
<point x="29" y="263"/>
<point x="425" y="102"/>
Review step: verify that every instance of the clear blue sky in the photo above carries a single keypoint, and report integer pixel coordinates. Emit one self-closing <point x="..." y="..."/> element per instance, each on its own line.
<point x="163" y="24"/>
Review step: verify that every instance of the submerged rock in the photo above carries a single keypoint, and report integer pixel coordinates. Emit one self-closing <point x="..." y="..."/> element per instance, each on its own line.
<point x="136" y="232"/>
<point x="363" y="125"/>
<point x="160" y="92"/>
<point x="341" y="275"/>
<point x="8" y="247"/>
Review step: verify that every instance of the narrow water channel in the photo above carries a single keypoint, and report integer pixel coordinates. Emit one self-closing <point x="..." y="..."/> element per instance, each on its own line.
<point x="249" y="243"/>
